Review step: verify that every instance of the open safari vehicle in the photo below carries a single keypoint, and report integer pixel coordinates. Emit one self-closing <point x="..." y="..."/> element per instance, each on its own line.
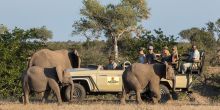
<point x="95" y="80"/>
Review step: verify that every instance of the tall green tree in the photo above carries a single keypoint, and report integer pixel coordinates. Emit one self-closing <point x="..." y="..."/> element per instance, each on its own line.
<point x="15" y="47"/>
<point x="112" y="20"/>
<point x="201" y="37"/>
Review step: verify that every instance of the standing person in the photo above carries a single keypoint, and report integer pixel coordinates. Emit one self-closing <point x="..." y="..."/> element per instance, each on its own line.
<point x="165" y="54"/>
<point x="142" y="56"/>
<point x="194" y="56"/>
<point x="111" y="65"/>
<point x="150" y="57"/>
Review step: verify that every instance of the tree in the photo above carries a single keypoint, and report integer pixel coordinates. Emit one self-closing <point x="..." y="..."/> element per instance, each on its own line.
<point x="15" y="47"/>
<point x="3" y="29"/>
<point x="111" y="20"/>
<point x="201" y="37"/>
<point x="214" y="28"/>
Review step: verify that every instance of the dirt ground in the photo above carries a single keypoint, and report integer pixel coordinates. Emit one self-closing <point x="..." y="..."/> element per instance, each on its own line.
<point x="109" y="106"/>
<point x="200" y="103"/>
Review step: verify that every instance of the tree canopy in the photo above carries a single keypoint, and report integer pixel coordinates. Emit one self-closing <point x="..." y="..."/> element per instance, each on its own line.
<point x="112" y="20"/>
<point x="200" y="37"/>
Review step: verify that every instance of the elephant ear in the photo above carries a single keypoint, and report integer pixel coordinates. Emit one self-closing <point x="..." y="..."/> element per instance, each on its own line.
<point x="75" y="58"/>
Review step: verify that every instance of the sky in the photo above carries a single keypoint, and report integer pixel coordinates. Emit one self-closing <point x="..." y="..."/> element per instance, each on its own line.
<point x="59" y="15"/>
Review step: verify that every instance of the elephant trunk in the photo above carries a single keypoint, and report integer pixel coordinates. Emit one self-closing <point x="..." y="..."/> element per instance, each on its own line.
<point x="174" y="84"/>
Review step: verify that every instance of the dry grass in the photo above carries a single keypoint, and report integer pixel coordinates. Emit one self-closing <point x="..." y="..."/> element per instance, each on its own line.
<point x="16" y="106"/>
<point x="114" y="105"/>
<point x="213" y="70"/>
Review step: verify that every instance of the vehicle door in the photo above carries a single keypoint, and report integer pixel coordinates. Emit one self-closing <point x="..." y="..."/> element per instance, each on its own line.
<point x="109" y="80"/>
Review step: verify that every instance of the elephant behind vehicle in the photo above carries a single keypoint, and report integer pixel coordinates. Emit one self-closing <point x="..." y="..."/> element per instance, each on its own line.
<point x="38" y="79"/>
<point x="60" y="59"/>
<point x="138" y="76"/>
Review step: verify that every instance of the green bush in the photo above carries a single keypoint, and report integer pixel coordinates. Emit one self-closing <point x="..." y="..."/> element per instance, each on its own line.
<point x="15" y="47"/>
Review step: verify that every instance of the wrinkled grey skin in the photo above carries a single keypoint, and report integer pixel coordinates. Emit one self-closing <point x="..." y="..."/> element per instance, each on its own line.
<point x="38" y="79"/>
<point x="138" y="76"/>
<point x="59" y="60"/>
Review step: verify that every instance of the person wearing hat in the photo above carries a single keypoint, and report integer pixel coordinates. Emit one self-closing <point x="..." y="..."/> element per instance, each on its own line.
<point x="150" y="56"/>
<point x="142" y="57"/>
<point x="111" y="65"/>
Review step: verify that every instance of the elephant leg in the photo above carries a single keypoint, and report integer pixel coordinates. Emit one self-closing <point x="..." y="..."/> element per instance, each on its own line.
<point x="46" y="95"/>
<point x="123" y="96"/>
<point x="55" y="87"/>
<point x="138" y="96"/>
<point x="138" y="90"/>
<point x="26" y="92"/>
<point x="155" y="89"/>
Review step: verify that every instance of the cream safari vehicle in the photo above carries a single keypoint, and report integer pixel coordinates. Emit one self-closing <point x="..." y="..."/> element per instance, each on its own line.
<point x="95" y="80"/>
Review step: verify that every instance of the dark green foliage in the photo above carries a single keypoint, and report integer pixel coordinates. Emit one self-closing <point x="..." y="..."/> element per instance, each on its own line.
<point x="129" y="46"/>
<point x="200" y="37"/>
<point x="93" y="52"/>
<point x="15" y="47"/>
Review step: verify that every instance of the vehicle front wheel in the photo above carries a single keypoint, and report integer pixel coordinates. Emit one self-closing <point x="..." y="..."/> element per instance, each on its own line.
<point x="79" y="93"/>
<point x="165" y="93"/>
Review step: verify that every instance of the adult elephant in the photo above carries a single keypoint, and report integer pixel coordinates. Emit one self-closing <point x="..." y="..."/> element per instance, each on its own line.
<point x="138" y="76"/>
<point x="38" y="79"/>
<point x="60" y="59"/>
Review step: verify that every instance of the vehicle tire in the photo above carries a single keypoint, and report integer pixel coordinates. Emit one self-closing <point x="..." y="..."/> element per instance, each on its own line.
<point x="79" y="93"/>
<point x="165" y="94"/>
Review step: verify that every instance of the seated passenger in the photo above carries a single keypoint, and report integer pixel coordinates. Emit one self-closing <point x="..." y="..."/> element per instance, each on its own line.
<point x="111" y="65"/>
<point x="194" y="56"/>
<point x="165" y="55"/>
<point x="150" y="56"/>
<point x="142" y="57"/>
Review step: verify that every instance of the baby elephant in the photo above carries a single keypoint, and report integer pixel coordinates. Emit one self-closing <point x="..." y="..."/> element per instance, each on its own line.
<point x="37" y="79"/>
